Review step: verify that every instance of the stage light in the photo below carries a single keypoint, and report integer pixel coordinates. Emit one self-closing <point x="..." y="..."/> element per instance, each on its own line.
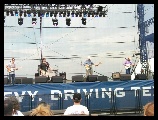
<point x="72" y="14"/>
<point x="34" y="21"/>
<point x="68" y="21"/>
<point x="11" y="12"/>
<point x="20" y="21"/>
<point x="29" y="13"/>
<point x="16" y="13"/>
<point x="34" y="13"/>
<point x="47" y="14"/>
<point x="64" y="14"/>
<point x="20" y="13"/>
<point x="51" y="14"/>
<point x="80" y="14"/>
<point x="25" y="14"/>
<point x="83" y="21"/>
<point x="55" y="22"/>
<point x="7" y="13"/>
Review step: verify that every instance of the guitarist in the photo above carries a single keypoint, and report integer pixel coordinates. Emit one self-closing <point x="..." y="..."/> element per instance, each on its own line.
<point x="128" y="65"/>
<point x="88" y="65"/>
<point x="11" y="67"/>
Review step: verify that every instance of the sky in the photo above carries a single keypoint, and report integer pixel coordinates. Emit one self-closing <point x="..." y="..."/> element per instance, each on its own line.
<point x="108" y="40"/>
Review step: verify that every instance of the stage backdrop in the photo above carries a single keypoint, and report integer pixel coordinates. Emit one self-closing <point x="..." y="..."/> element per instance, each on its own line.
<point x="95" y="95"/>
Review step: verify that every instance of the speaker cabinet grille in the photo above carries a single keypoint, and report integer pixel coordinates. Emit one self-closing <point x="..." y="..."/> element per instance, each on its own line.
<point x="27" y="81"/>
<point x="40" y="79"/>
<point x="140" y="77"/>
<point x="92" y="78"/>
<point x="116" y="75"/>
<point x="102" y="78"/>
<point x="57" y="79"/>
<point x="125" y="76"/>
<point x="5" y="80"/>
<point x="77" y="78"/>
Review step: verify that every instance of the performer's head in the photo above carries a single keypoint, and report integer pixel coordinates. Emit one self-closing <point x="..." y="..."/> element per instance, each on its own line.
<point x="43" y="59"/>
<point x="13" y="60"/>
<point x="128" y="58"/>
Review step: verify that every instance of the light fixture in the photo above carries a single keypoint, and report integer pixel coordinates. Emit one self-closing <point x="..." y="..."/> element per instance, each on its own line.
<point x="55" y="22"/>
<point x="20" y="13"/>
<point x="11" y="12"/>
<point x="68" y="21"/>
<point x="29" y="13"/>
<point x="7" y="13"/>
<point x="47" y="14"/>
<point x="20" y="21"/>
<point x="83" y="21"/>
<point x="34" y="21"/>
<point x="25" y="14"/>
<point x="16" y="13"/>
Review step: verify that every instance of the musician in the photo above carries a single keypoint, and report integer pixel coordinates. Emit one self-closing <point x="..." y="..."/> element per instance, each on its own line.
<point x="44" y="67"/>
<point x="128" y="65"/>
<point x="88" y="65"/>
<point x="11" y="67"/>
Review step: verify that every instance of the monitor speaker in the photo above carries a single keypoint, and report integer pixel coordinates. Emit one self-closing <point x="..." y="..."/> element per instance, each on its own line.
<point x="6" y="80"/>
<point x="102" y="78"/>
<point x="18" y="80"/>
<point x="125" y="76"/>
<point x="116" y="75"/>
<point x="140" y="77"/>
<point x="41" y="79"/>
<point x="92" y="78"/>
<point x="77" y="78"/>
<point x="57" y="79"/>
<point x="27" y="81"/>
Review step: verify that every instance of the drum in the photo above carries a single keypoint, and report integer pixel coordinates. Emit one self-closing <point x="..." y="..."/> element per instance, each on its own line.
<point x="53" y="73"/>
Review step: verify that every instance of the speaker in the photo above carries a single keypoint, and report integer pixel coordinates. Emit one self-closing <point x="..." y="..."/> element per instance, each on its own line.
<point x="116" y="75"/>
<point x="140" y="77"/>
<point x="92" y="78"/>
<point x="102" y="78"/>
<point x="27" y="81"/>
<point x="41" y="79"/>
<point x="18" y="80"/>
<point x="57" y="79"/>
<point x="77" y="78"/>
<point x="125" y="76"/>
<point x="5" y="80"/>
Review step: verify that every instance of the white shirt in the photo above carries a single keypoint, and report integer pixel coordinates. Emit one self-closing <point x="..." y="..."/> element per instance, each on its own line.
<point x="76" y="110"/>
<point x="18" y="113"/>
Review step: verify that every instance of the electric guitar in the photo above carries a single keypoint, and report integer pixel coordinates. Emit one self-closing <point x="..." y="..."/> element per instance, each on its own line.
<point x="127" y="66"/>
<point x="88" y="67"/>
<point x="12" y="69"/>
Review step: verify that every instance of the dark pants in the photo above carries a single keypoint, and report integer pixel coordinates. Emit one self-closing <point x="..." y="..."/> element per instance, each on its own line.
<point x="11" y="78"/>
<point x="128" y="71"/>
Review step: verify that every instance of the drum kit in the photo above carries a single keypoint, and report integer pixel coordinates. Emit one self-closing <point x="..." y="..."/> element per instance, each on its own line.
<point x="53" y="72"/>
